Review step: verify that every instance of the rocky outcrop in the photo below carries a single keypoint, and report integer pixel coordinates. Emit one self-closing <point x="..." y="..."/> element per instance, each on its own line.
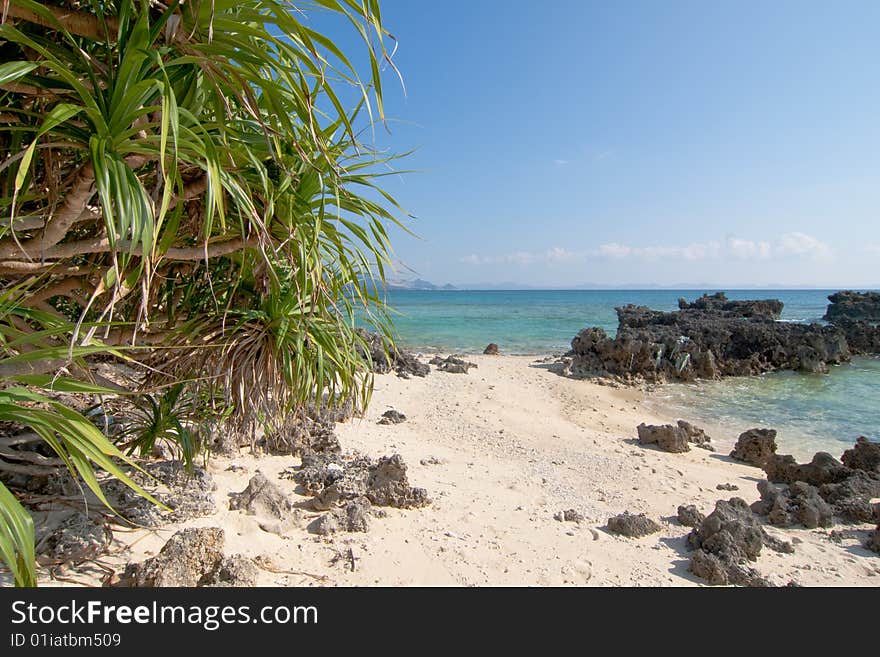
<point x="798" y="504"/>
<point x="707" y="339"/>
<point x="821" y="492"/>
<point x="332" y="480"/>
<point x="850" y="305"/>
<point x="863" y="337"/>
<point x="823" y="469"/>
<point x="690" y="516"/>
<point x="192" y="557"/>
<point x="632" y="525"/>
<point x="491" y="349"/>
<point x="695" y="435"/>
<point x="755" y="446"/>
<point x="452" y="364"/>
<point x="719" y="303"/>
<point x="726" y="541"/>
<point x="864" y="455"/>
<point x="673" y="438"/>
<point x="667" y="437"/>
<point x="385" y="359"/>
<point x="873" y="542"/>
<point x="392" y="417"/>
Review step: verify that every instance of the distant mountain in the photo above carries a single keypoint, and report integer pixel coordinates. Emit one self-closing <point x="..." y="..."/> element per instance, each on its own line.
<point x="416" y="284"/>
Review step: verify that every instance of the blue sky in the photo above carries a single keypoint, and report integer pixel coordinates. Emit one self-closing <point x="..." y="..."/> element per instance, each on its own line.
<point x="569" y="142"/>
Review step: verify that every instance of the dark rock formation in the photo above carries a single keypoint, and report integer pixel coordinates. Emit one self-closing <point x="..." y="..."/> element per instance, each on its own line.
<point x="192" y="557"/>
<point x="798" y="504"/>
<point x="726" y="541"/>
<point x="491" y="349"/>
<point x="755" y="446"/>
<point x="864" y="455"/>
<point x="633" y="526"/>
<point x="707" y="339"/>
<point x="863" y="337"/>
<point x="667" y="437"/>
<point x="823" y="469"/>
<point x="384" y="359"/>
<point x="452" y="364"/>
<point x="873" y="543"/>
<point x="719" y="303"/>
<point x="853" y="305"/>
<point x="727" y="487"/>
<point x="392" y="417"/>
<point x="690" y="516"/>
<point x="333" y="479"/>
<point x="695" y="435"/>
<point x="817" y="493"/>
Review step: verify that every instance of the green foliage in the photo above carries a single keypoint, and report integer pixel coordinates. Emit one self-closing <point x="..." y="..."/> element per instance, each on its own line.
<point x="185" y="184"/>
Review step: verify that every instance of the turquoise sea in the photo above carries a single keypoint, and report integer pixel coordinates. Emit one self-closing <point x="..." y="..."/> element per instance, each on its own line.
<point x="810" y="411"/>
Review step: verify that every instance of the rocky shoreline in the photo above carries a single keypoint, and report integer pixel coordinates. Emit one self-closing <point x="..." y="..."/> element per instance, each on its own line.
<point x="713" y="338"/>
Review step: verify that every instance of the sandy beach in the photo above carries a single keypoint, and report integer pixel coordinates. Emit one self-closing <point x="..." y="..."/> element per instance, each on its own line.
<point x="500" y="451"/>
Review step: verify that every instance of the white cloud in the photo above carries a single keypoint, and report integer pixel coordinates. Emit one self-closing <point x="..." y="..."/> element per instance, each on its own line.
<point x="521" y="258"/>
<point x="693" y="251"/>
<point x="748" y="250"/>
<point x="560" y="162"/>
<point x="798" y="245"/>
<point x="803" y="245"/>
<point x="872" y="248"/>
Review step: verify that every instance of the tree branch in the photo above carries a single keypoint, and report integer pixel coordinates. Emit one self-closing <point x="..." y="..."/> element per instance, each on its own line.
<point x="81" y="23"/>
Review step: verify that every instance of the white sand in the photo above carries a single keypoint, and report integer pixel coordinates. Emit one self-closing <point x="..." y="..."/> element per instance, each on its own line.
<point x="516" y="444"/>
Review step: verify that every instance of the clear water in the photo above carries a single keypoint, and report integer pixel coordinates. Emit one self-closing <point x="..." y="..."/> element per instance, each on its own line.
<point x="811" y="412"/>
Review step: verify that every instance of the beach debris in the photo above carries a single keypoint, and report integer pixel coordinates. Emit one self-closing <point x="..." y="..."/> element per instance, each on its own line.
<point x="633" y="526"/>
<point x="667" y="437"/>
<point x="727" y="487"/>
<point x="392" y="417"/>
<point x="569" y="515"/>
<point x="191" y="557"/>
<point x="433" y="460"/>
<point x="726" y="541"/>
<point x="264" y="499"/>
<point x="385" y="359"/>
<point x="690" y="516"/>
<point x="332" y="479"/>
<point x="864" y="455"/>
<point x="189" y="494"/>
<point x="755" y="446"/>
<point x="452" y="364"/>
<point x="353" y="517"/>
<point x="491" y="349"/>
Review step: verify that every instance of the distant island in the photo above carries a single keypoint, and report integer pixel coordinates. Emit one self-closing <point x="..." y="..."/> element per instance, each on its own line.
<point x="416" y="284"/>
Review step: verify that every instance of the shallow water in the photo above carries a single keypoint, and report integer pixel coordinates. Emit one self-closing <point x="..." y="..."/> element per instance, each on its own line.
<point x="810" y="412"/>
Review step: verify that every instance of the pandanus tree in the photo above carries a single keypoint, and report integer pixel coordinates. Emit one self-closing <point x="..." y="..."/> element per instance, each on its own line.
<point x="182" y="185"/>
